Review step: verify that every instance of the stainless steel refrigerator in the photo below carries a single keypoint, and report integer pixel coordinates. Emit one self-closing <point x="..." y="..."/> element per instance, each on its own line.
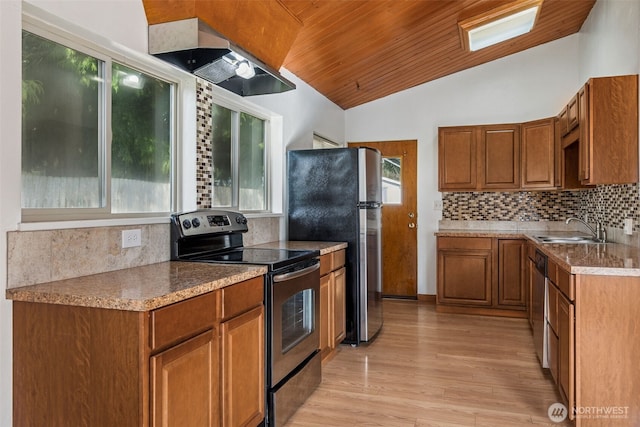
<point x="335" y="195"/>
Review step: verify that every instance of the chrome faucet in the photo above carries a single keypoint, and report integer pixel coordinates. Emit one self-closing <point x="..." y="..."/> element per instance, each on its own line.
<point x="599" y="234"/>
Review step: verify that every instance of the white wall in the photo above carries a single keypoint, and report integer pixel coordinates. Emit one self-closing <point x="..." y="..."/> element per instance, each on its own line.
<point x="525" y="86"/>
<point x="610" y="39"/>
<point x="122" y="21"/>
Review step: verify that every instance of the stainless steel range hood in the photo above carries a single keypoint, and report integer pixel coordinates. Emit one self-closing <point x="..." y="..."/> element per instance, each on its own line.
<point x="192" y="45"/>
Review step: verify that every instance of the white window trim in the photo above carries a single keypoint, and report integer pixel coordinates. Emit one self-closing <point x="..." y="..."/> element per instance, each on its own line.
<point x="59" y="30"/>
<point x="274" y="135"/>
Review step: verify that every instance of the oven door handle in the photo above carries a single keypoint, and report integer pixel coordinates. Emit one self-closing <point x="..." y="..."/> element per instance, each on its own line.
<point x="295" y="274"/>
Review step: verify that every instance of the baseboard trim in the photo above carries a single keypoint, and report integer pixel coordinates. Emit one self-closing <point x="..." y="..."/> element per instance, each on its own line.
<point x="427" y="298"/>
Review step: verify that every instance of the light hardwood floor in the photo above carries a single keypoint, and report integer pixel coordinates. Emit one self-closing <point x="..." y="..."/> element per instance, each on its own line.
<point x="433" y="369"/>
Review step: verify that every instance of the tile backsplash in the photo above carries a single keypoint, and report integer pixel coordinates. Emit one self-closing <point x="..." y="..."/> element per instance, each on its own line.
<point x="609" y="204"/>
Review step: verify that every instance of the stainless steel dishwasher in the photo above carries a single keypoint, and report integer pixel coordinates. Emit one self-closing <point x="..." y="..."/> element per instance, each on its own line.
<point x="540" y="308"/>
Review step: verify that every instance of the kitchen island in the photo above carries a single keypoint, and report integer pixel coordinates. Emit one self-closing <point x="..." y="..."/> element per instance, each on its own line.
<point x="591" y="294"/>
<point x="173" y="343"/>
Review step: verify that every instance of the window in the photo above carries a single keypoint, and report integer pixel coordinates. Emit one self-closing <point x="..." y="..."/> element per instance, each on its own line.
<point x="97" y="135"/>
<point x="239" y="157"/>
<point x="392" y="180"/>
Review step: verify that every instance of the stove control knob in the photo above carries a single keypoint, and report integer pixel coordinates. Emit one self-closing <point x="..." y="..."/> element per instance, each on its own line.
<point x="240" y="219"/>
<point x="186" y="224"/>
<point x="195" y="222"/>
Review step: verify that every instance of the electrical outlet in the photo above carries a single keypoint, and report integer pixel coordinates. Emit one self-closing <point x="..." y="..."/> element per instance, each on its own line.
<point x="437" y="205"/>
<point x="131" y="238"/>
<point x="628" y="226"/>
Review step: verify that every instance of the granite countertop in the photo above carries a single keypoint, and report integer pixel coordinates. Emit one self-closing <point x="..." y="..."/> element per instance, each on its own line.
<point x="607" y="259"/>
<point x="323" y="247"/>
<point x="139" y="288"/>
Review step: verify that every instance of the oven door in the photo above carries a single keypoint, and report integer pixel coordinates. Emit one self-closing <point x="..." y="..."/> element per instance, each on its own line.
<point x="294" y="322"/>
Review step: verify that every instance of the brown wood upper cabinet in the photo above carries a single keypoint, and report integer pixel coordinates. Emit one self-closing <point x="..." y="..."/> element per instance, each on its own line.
<point x="457" y="160"/>
<point x="538" y="154"/>
<point x="609" y="130"/>
<point x="472" y="158"/>
<point x="497" y="157"/>
<point x="603" y="147"/>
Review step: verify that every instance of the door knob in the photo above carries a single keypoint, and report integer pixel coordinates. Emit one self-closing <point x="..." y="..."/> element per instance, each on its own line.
<point x="412" y="225"/>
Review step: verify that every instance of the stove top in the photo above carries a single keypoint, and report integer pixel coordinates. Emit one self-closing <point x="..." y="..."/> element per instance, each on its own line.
<point x="209" y="235"/>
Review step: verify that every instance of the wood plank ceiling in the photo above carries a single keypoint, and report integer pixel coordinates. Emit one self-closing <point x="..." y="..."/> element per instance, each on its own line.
<point x="357" y="51"/>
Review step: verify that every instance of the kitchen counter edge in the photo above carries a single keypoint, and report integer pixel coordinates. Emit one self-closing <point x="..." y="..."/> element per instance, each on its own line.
<point x="598" y="259"/>
<point x="141" y="288"/>
<point x="323" y="247"/>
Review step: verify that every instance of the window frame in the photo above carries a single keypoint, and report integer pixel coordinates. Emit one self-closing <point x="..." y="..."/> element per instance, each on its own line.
<point x="244" y="107"/>
<point x="78" y="39"/>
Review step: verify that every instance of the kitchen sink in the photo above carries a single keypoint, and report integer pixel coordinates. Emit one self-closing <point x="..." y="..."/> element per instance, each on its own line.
<point x="566" y="239"/>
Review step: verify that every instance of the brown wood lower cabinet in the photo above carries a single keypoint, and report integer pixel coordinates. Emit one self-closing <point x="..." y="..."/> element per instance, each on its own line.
<point x="332" y="301"/>
<point x="196" y="362"/>
<point x="482" y="275"/>
<point x="593" y="324"/>
<point x="184" y="383"/>
<point x="242" y="370"/>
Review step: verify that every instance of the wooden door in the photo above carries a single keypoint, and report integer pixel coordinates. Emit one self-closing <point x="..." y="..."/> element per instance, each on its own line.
<point x="499" y="157"/>
<point x="399" y="216"/>
<point x="184" y="384"/>
<point x="457" y="162"/>
<point x="538" y="152"/>
<point x="243" y="365"/>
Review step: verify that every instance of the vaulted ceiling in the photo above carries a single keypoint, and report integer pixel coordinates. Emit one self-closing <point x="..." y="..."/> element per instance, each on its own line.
<point x="357" y="51"/>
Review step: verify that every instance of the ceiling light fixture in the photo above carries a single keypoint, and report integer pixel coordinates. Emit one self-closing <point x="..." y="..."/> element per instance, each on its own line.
<point x="498" y="25"/>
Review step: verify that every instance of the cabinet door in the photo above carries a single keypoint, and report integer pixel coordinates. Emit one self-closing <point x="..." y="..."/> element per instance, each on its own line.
<point x="566" y="351"/>
<point x="499" y="159"/>
<point x="457" y="163"/>
<point x="611" y="154"/>
<point x="325" y="314"/>
<point x="339" y="307"/>
<point x="243" y="367"/>
<point x="573" y="115"/>
<point x="538" y="154"/>
<point x="464" y="271"/>
<point x="184" y="383"/>
<point x="585" y="136"/>
<point x="511" y="279"/>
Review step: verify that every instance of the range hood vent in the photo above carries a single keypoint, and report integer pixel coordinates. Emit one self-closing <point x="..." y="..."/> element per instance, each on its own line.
<point x="193" y="46"/>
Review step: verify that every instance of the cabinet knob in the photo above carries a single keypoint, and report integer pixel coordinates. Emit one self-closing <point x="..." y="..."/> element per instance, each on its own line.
<point x="412" y="225"/>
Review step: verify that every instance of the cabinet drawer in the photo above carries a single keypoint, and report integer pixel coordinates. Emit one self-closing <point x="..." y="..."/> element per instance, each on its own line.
<point x="464" y="243"/>
<point x="338" y="258"/>
<point x="566" y="283"/>
<point x="552" y="271"/>
<point x="179" y="321"/>
<point x="326" y="262"/>
<point x="241" y="297"/>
